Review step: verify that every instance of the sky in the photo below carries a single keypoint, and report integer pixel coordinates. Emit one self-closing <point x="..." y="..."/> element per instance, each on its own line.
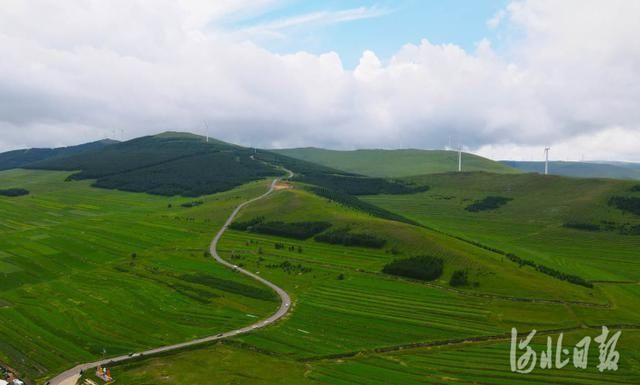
<point x="499" y="78"/>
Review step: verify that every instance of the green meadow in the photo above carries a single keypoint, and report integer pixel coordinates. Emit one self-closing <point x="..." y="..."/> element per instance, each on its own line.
<point x="396" y="163"/>
<point x="346" y="312"/>
<point x="531" y="224"/>
<point x="128" y="271"/>
<point x="87" y="272"/>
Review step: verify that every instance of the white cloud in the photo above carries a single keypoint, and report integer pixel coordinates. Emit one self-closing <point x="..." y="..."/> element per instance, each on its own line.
<point x="569" y="78"/>
<point x="495" y="21"/>
<point x="278" y="28"/>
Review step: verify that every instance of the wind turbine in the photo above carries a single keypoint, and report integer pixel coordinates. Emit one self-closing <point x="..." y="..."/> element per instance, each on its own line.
<point x="546" y="160"/>
<point x="206" y="126"/>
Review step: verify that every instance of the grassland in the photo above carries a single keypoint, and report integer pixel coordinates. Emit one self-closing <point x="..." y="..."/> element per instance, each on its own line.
<point x="338" y="326"/>
<point x="87" y="272"/>
<point x="218" y="364"/>
<point x="395" y="163"/>
<point x="619" y="170"/>
<point x="531" y="225"/>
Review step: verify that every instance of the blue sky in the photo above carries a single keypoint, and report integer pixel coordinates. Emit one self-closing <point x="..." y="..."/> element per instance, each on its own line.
<point x="384" y="27"/>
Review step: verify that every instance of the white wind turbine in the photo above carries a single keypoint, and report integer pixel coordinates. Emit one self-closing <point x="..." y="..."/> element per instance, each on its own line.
<point x="546" y="160"/>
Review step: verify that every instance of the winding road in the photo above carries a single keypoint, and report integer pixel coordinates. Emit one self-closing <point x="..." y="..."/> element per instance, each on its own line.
<point x="71" y="376"/>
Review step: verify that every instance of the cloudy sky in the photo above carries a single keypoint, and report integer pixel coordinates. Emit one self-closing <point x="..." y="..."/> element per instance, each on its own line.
<point x="502" y="78"/>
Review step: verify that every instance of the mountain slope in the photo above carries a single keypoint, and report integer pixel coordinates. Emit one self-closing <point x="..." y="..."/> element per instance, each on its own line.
<point x="21" y="158"/>
<point x="581" y="169"/>
<point x="396" y="163"/>
<point x="166" y="164"/>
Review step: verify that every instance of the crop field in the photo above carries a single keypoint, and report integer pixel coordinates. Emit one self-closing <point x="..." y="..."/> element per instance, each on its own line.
<point x="531" y="225"/>
<point x="87" y="272"/>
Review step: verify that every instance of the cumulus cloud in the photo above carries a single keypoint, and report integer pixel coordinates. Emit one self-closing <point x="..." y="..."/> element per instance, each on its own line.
<point x="569" y="73"/>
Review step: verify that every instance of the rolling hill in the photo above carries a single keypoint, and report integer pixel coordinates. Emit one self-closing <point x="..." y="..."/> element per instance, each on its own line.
<point x="24" y="157"/>
<point x="568" y="224"/>
<point x="395" y="163"/>
<point x="613" y="170"/>
<point x="174" y="163"/>
<point x="166" y="164"/>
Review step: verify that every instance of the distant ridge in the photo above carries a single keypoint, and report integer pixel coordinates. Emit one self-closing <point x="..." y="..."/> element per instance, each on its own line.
<point x="612" y="170"/>
<point x="24" y="157"/>
<point x="170" y="163"/>
<point x="396" y="163"/>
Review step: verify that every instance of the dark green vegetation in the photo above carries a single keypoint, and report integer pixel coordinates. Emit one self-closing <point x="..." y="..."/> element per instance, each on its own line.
<point x="356" y="185"/>
<point x="635" y="188"/>
<point x="295" y="230"/>
<point x="22" y="158"/>
<point x="424" y="267"/>
<point x="615" y="170"/>
<point x="344" y="237"/>
<point x="85" y="270"/>
<point x="395" y="163"/>
<point x="192" y="204"/>
<point x="354" y="202"/>
<point x="627" y="204"/>
<point x="621" y="228"/>
<point x="582" y="226"/>
<point x="14" y="192"/>
<point x="488" y="203"/>
<point x="246" y="225"/>
<point x="165" y="164"/>
<point x="459" y="278"/>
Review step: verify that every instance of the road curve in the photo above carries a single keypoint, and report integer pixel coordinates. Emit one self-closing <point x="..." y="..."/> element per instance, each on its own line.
<point x="71" y="376"/>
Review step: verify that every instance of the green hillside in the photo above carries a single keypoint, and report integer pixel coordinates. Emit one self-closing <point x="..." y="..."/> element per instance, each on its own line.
<point x="21" y="158"/>
<point x="352" y="324"/>
<point x="86" y="272"/>
<point x="617" y="170"/>
<point x="396" y="163"/>
<point x="165" y="164"/>
<point x="564" y="223"/>
<point x="184" y="164"/>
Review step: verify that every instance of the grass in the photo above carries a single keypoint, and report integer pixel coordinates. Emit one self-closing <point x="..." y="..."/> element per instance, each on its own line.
<point x="486" y="363"/>
<point x="336" y="324"/>
<point x="344" y="308"/>
<point x="219" y="364"/>
<point x="396" y="163"/>
<point x="531" y="225"/>
<point x="72" y="290"/>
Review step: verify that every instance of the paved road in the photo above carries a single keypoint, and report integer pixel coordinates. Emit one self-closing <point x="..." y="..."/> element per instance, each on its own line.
<point x="71" y="376"/>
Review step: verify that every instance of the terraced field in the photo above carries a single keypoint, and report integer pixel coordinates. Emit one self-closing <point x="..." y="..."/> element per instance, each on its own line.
<point x="87" y="272"/>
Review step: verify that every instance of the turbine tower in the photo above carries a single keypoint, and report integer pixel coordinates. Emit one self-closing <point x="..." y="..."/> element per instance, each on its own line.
<point x="546" y="160"/>
<point x="460" y="159"/>
<point x="206" y="126"/>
